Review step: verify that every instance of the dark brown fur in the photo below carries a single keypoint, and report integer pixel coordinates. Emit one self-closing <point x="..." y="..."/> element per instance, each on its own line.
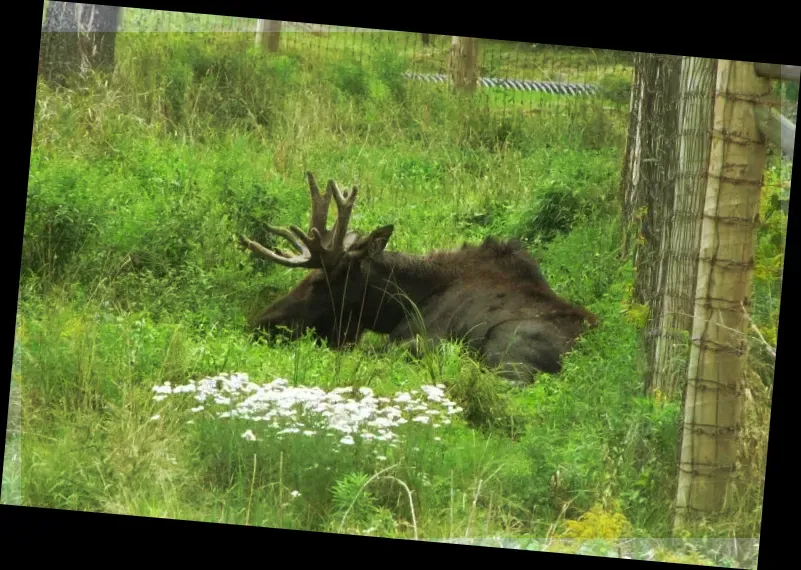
<point x="493" y="297"/>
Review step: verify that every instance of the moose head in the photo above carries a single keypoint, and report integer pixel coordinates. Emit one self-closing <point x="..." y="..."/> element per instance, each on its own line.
<point x="330" y="296"/>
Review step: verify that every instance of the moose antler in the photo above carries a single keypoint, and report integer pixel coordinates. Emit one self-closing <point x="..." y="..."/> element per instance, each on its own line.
<point x="320" y="247"/>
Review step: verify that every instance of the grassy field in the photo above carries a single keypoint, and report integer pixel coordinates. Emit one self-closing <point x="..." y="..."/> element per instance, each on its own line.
<point x="131" y="279"/>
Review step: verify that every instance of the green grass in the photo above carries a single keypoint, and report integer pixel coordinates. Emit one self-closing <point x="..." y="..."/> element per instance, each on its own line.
<point x="131" y="278"/>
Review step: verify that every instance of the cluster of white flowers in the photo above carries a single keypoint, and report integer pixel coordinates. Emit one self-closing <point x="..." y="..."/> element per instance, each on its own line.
<point x="343" y="412"/>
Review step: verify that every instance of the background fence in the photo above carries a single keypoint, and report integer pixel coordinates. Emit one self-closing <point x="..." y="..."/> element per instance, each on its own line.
<point x="512" y="76"/>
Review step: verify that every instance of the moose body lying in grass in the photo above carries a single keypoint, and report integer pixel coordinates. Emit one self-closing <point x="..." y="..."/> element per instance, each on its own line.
<point x="492" y="297"/>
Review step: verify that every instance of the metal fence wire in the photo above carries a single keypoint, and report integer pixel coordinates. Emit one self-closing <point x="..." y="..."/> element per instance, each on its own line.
<point x="511" y="75"/>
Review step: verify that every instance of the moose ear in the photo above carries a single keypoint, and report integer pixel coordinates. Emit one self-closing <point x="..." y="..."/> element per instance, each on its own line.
<point x="377" y="240"/>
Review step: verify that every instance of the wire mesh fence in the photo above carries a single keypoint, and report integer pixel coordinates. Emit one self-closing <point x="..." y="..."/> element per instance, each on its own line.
<point x="512" y="76"/>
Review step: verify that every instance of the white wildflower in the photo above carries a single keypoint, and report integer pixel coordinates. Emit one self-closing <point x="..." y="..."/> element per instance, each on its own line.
<point x="344" y="411"/>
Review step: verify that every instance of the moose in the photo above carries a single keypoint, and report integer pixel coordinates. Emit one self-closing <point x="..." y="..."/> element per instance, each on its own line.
<point x="493" y="297"/>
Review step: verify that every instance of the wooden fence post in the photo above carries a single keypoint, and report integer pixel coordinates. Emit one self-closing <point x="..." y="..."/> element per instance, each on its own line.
<point x="713" y="398"/>
<point x="464" y="63"/>
<point x="268" y="34"/>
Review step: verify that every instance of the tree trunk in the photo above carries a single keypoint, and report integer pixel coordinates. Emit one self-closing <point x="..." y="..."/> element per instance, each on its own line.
<point x="657" y="165"/>
<point x="58" y="52"/>
<point x="718" y="352"/>
<point x="101" y="24"/>
<point x="464" y="63"/>
<point x="630" y="174"/>
<point x="268" y="34"/>
<point x="648" y="178"/>
<point x="670" y="349"/>
<point x="77" y="37"/>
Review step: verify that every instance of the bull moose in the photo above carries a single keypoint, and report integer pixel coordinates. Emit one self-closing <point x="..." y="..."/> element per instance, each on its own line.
<point x="492" y="297"/>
